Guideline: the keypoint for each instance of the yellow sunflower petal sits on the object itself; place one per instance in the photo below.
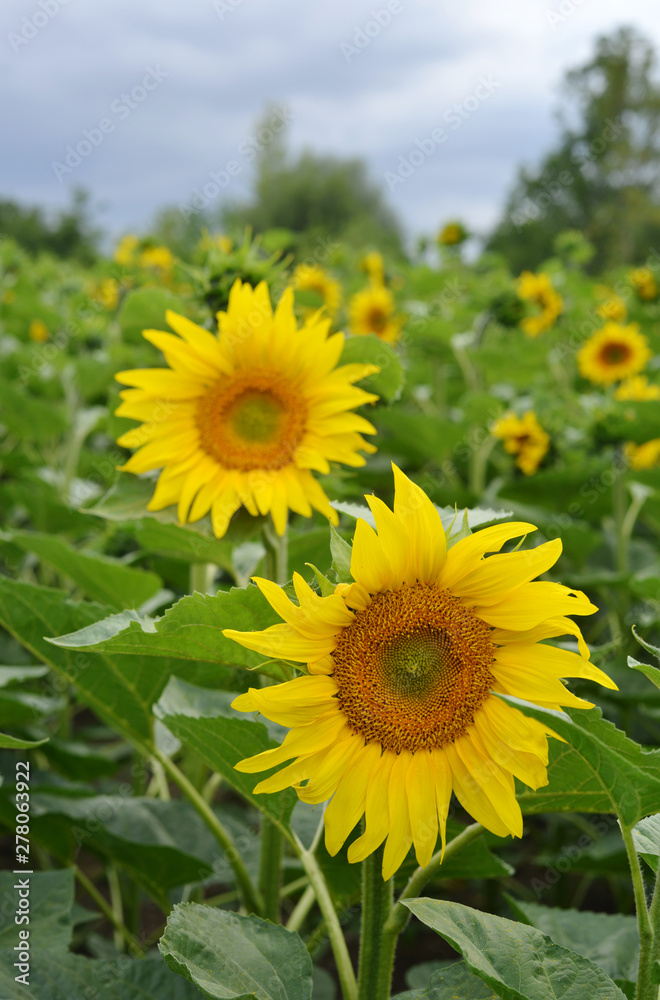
(421, 795)
(348, 803)
(399, 838)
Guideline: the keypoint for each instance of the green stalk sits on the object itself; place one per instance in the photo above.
(107, 910)
(398, 918)
(376, 948)
(619, 504)
(646, 988)
(330, 918)
(250, 896)
(270, 869)
(201, 575)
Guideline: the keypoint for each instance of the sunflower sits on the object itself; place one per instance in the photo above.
(159, 258)
(614, 352)
(125, 251)
(612, 307)
(312, 278)
(643, 456)
(452, 234)
(373, 311)
(38, 331)
(399, 705)
(538, 289)
(244, 417)
(644, 283)
(106, 293)
(374, 265)
(638, 388)
(523, 437)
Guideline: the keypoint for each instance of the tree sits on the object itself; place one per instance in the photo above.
(315, 196)
(603, 177)
(69, 234)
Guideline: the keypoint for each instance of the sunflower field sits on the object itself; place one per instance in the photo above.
(329, 624)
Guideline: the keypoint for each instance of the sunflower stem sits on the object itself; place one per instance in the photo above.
(330, 918)
(270, 869)
(277, 551)
(398, 918)
(250, 896)
(376, 947)
(201, 577)
(646, 988)
(619, 504)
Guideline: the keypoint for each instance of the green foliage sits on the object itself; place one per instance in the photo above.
(226, 955)
(596, 181)
(516, 962)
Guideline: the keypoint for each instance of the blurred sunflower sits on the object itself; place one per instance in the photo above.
(38, 331)
(644, 283)
(452, 234)
(643, 456)
(106, 293)
(125, 251)
(244, 418)
(216, 242)
(159, 258)
(374, 265)
(523, 437)
(613, 353)
(312, 278)
(399, 705)
(612, 307)
(637, 389)
(373, 311)
(538, 289)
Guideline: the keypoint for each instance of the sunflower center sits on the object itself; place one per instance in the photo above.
(615, 354)
(251, 421)
(413, 668)
(377, 320)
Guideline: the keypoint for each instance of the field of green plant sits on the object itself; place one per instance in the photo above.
(145, 480)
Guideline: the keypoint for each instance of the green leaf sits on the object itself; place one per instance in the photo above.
(630, 421)
(341, 556)
(51, 902)
(204, 721)
(449, 984)
(647, 645)
(144, 309)
(59, 975)
(652, 673)
(609, 940)
(187, 543)
(227, 955)
(326, 587)
(120, 689)
(388, 382)
(32, 419)
(101, 578)
(9, 675)
(600, 770)
(161, 844)
(12, 743)
(646, 837)
(518, 962)
(189, 630)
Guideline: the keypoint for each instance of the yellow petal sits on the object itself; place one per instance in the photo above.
(427, 543)
(464, 556)
(348, 803)
(400, 836)
(423, 813)
(495, 577)
(376, 810)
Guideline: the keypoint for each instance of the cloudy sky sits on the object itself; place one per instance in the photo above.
(143, 101)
